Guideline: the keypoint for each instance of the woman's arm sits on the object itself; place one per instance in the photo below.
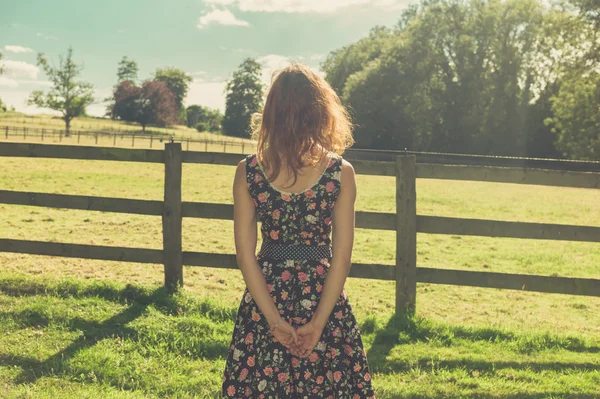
(343, 239)
(245, 231)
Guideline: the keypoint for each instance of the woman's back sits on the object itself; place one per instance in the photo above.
(295, 217)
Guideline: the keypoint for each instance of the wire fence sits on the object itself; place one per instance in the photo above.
(149, 139)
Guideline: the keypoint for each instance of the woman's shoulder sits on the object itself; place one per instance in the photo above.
(248, 160)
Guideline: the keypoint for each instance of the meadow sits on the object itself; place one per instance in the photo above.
(74, 328)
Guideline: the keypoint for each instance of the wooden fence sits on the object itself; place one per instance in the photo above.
(404, 221)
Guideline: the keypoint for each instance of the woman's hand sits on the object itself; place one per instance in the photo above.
(285, 334)
(309, 334)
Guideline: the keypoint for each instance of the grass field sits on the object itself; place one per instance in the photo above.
(95, 329)
(92, 124)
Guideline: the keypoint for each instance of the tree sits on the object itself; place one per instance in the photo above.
(210, 118)
(244, 97)
(68, 95)
(1, 65)
(151, 104)
(464, 76)
(178, 82)
(128, 70)
(576, 119)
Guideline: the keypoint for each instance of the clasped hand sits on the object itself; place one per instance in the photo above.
(299, 341)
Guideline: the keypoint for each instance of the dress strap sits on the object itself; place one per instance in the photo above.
(251, 168)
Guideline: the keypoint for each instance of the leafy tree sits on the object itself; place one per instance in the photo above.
(178, 82)
(244, 96)
(202, 127)
(457, 76)
(68, 95)
(342, 63)
(151, 104)
(210, 118)
(576, 119)
(1, 66)
(128, 70)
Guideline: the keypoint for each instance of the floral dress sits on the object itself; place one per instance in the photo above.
(294, 225)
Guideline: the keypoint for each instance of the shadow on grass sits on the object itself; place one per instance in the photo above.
(523, 395)
(406, 329)
(137, 299)
(125, 295)
(92, 333)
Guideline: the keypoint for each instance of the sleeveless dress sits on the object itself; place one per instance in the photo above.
(294, 257)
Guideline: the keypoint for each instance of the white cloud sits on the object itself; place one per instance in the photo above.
(222, 17)
(44, 36)
(208, 94)
(17, 49)
(18, 99)
(304, 5)
(272, 63)
(19, 69)
(6, 82)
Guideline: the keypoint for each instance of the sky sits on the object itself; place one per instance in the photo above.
(208, 39)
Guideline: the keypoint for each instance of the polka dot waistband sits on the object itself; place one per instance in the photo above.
(272, 250)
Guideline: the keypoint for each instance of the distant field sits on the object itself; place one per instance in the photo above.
(86, 124)
(466, 342)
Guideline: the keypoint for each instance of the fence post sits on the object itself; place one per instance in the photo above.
(172, 219)
(187, 147)
(24, 133)
(243, 144)
(406, 234)
(206, 146)
(132, 139)
(6, 132)
(151, 136)
(114, 139)
(43, 131)
(96, 134)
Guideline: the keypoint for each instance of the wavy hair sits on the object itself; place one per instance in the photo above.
(303, 119)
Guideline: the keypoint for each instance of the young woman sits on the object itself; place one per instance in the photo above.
(296, 335)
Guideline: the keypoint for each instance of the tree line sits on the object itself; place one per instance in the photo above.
(157, 101)
(497, 77)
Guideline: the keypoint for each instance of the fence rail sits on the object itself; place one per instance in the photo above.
(404, 221)
(243, 146)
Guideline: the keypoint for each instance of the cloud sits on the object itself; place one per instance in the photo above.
(17, 49)
(208, 94)
(19, 69)
(18, 99)
(46, 37)
(271, 63)
(222, 17)
(304, 5)
(6, 82)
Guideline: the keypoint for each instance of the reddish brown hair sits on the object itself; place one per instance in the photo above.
(302, 120)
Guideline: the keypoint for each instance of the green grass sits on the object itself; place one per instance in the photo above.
(64, 338)
(87, 124)
(466, 342)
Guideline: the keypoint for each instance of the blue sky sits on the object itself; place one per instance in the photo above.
(206, 38)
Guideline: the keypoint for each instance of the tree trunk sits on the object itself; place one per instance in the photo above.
(143, 128)
(68, 127)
